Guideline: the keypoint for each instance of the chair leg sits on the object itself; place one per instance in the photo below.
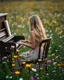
(46, 68)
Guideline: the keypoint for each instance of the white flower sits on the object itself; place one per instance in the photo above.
(47, 74)
(5, 57)
(7, 76)
(4, 62)
(54, 63)
(53, 71)
(19, 26)
(56, 57)
(21, 79)
(10, 77)
(33, 69)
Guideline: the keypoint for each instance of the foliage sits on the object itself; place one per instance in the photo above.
(52, 16)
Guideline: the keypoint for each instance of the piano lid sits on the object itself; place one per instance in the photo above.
(3, 14)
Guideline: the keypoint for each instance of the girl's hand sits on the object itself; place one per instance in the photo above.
(24, 40)
(19, 42)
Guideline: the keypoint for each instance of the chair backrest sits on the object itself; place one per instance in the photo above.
(44, 46)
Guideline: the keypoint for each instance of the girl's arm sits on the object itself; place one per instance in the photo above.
(26, 41)
(32, 44)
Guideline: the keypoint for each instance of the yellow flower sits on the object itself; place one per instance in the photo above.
(10, 20)
(12, 59)
(15, 56)
(17, 16)
(17, 72)
(14, 22)
(28, 22)
(13, 65)
(59, 65)
(28, 60)
(23, 62)
(50, 24)
(20, 55)
(28, 65)
(53, 20)
(44, 22)
(53, 55)
(17, 50)
(16, 30)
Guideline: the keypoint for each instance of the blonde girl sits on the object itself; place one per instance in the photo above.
(37, 33)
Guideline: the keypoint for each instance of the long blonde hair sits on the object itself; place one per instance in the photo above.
(38, 27)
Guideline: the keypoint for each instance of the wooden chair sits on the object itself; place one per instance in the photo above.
(43, 57)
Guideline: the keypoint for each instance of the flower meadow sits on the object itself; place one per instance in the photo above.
(52, 17)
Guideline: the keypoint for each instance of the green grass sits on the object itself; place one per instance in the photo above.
(52, 16)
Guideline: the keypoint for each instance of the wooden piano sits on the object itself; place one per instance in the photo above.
(6, 38)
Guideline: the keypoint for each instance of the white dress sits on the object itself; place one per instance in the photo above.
(30, 55)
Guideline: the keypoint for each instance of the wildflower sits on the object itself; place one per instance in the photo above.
(16, 30)
(20, 55)
(7, 76)
(12, 59)
(15, 56)
(62, 46)
(52, 60)
(17, 16)
(28, 60)
(19, 26)
(59, 65)
(35, 77)
(44, 65)
(28, 22)
(49, 61)
(46, 30)
(13, 65)
(28, 65)
(28, 55)
(44, 22)
(14, 23)
(5, 57)
(47, 74)
(33, 69)
(4, 62)
(17, 50)
(54, 21)
(17, 72)
(53, 55)
(37, 66)
(23, 62)
(54, 71)
(21, 79)
(54, 63)
(62, 65)
(10, 77)
(31, 78)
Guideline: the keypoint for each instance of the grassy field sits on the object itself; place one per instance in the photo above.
(52, 16)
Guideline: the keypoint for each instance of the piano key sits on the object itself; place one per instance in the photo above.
(8, 38)
(2, 34)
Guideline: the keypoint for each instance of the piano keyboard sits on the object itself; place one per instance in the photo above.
(8, 38)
